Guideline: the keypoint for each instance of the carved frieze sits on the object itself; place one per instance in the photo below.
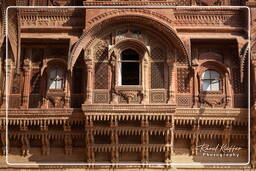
(51, 18)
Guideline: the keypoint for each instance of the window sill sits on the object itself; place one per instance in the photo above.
(129, 87)
(212, 92)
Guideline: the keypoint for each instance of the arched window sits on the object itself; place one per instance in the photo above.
(130, 67)
(211, 81)
(56, 78)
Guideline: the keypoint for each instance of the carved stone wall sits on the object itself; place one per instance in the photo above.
(163, 119)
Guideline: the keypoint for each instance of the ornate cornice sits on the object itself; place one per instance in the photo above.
(52, 18)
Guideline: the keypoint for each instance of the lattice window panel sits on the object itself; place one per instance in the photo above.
(15, 101)
(157, 53)
(101, 75)
(157, 75)
(184, 101)
(35, 81)
(181, 59)
(238, 86)
(183, 80)
(157, 97)
(100, 97)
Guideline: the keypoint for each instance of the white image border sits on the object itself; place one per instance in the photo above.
(127, 164)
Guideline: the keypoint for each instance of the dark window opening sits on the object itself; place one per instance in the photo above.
(130, 67)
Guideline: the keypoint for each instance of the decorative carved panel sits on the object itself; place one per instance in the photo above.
(157, 97)
(101, 51)
(181, 60)
(130, 96)
(101, 75)
(183, 84)
(101, 97)
(157, 75)
(208, 100)
(157, 53)
(15, 101)
(184, 101)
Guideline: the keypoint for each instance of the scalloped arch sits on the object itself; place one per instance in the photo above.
(89, 36)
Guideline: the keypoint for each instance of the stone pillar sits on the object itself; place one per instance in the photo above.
(89, 85)
(3, 139)
(169, 139)
(27, 73)
(145, 141)
(68, 82)
(145, 80)
(228, 93)
(194, 138)
(24, 140)
(196, 85)
(7, 90)
(113, 81)
(89, 138)
(114, 141)
(67, 138)
(45, 139)
(227, 132)
(1, 76)
(170, 95)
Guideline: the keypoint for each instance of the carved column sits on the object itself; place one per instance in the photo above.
(68, 91)
(89, 66)
(27, 73)
(45, 139)
(145, 80)
(169, 139)
(227, 132)
(228, 93)
(194, 138)
(1, 76)
(114, 141)
(171, 98)
(113, 81)
(67, 138)
(8, 70)
(89, 140)
(24, 140)
(145, 141)
(3, 138)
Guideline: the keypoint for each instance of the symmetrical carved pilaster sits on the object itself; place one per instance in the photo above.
(27, 72)
(89, 70)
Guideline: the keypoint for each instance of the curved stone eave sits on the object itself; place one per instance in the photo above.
(88, 36)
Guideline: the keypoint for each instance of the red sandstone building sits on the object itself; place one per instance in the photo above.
(126, 85)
